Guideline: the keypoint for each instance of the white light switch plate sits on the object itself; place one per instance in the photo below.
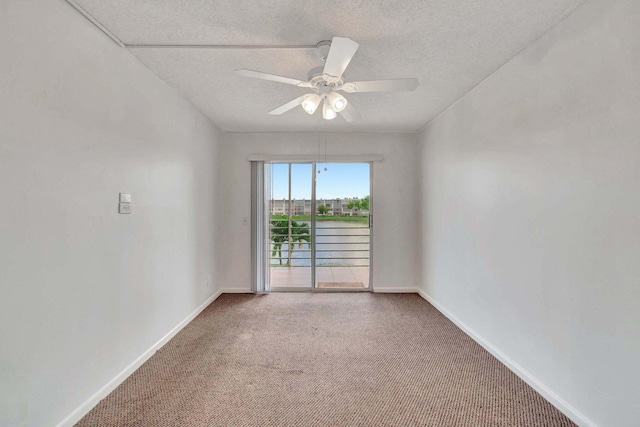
(125, 198)
(124, 208)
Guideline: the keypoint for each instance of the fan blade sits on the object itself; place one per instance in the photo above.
(340, 53)
(391, 85)
(288, 106)
(272, 77)
(350, 114)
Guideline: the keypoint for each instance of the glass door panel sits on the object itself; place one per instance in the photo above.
(342, 226)
(290, 208)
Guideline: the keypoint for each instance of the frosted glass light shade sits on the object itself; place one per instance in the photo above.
(311, 102)
(338, 102)
(327, 112)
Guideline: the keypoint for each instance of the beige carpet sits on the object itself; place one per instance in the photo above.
(323, 359)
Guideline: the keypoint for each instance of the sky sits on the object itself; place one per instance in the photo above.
(340, 180)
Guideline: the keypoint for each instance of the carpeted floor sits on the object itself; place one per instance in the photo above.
(323, 359)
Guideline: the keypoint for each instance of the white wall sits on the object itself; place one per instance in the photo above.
(531, 211)
(85, 291)
(395, 259)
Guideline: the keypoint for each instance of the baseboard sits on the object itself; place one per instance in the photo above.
(236, 291)
(553, 398)
(394, 290)
(83, 409)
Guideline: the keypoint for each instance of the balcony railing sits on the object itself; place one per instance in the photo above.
(335, 246)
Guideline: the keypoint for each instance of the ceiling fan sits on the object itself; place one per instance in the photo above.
(325, 82)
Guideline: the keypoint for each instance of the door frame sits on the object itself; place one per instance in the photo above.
(312, 288)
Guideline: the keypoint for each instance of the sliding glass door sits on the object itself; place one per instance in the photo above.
(318, 217)
(290, 237)
(343, 226)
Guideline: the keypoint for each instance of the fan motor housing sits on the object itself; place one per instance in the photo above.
(316, 78)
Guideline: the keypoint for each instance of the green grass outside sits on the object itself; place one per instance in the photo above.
(354, 219)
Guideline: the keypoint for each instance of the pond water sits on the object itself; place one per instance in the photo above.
(339, 243)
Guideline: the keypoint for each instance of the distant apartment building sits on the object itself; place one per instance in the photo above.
(303, 206)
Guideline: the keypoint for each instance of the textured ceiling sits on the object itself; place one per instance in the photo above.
(450, 46)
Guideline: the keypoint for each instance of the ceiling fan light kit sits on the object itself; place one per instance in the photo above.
(327, 112)
(337, 101)
(311, 103)
(326, 81)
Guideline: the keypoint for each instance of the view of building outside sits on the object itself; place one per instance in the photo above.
(337, 207)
